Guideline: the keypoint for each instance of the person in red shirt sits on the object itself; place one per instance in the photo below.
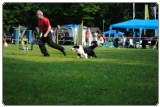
(88, 35)
(45, 28)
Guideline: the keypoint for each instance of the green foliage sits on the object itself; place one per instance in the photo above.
(15, 14)
(67, 13)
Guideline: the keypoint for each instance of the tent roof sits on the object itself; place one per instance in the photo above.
(136, 24)
(70, 26)
(94, 29)
(113, 32)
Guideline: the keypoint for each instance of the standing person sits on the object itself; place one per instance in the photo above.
(95, 36)
(88, 35)
(116, 34)
(63, 36)
(45, 27)
(100, 40)
(123, 40)
(116, 39)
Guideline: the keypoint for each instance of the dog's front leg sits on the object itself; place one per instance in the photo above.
(85, 55)
(94, 55)
(78, 55)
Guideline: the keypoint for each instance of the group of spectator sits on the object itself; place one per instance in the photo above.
(89, 37)
(95, 37)
(128, 41)
(122, 40)
(115, 40)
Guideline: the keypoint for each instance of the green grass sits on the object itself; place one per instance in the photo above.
(116, 77)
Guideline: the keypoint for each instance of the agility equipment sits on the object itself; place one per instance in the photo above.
(58, 34)
(74, 31)
(23, 41)
(155, 44)
(146, 15)
(80, 33)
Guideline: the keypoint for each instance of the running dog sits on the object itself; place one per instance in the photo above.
(85, 52)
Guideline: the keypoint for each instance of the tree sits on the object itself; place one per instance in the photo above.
(15, 14)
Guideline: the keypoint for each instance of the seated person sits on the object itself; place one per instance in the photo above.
(115, 42)
(127, 42)
(100, 40)
(120, 42)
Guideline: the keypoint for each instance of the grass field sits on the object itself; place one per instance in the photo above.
(116, 77)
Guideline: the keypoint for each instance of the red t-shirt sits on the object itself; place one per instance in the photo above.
(88, 33)
(43, 24)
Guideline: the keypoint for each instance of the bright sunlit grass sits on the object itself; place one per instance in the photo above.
(117, 76)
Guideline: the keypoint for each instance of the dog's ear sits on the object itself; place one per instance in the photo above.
(76, 46)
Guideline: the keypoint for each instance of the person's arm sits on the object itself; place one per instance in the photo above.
(48, 30)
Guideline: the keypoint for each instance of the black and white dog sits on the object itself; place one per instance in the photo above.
(85, 52)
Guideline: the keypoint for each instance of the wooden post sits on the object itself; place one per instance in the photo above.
(155, 43)
(18, 47)
(57, 36)
(80, 33)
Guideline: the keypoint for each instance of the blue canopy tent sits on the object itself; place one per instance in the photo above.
(71, 28)
(113, 32)
(137, 24)
(73, 31)
(70, 25)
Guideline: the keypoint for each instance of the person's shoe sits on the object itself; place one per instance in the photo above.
(46, 55)
(64, 52)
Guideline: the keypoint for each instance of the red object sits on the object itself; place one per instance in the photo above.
(43, 24)
(88, 33)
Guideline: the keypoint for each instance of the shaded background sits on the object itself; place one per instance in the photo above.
(71, 13)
